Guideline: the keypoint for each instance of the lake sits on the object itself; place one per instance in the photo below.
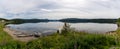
(51, 27)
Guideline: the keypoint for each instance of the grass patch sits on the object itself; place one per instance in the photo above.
(74, 41)
(7, 42)
(4, 37)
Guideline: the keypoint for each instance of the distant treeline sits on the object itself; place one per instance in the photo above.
(68, 20)
(17, 21)
(75, 20)
(20, 21)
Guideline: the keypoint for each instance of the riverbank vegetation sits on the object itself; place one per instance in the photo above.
(3, 35)
(74, 41)
(67, 39)
(7, 42)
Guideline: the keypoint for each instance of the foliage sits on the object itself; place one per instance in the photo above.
(73, 41)
(13, 45)
(66, 29)
(77, 20)
(3, 35)
(118, 22)
(6, 41)
(3, 19)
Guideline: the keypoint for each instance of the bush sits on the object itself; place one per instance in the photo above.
(73, 41)
(118, 22)
(13, 45)
(65, 29)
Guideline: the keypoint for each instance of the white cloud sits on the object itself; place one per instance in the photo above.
(73, 3)
(57, 8)
(47, 10)
(16, 6)
(2, 15)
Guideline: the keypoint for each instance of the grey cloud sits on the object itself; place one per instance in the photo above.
(54, 8)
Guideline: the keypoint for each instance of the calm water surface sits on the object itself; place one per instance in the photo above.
(51, 27)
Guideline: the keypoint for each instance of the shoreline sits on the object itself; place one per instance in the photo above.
(21, 36)
(23, 39)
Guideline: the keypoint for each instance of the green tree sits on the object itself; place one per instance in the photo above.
(66, 28)
(118, 22)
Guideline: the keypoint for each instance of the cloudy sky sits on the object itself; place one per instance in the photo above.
(57, 9)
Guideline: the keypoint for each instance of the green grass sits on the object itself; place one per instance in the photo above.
(72, 40)
(76, 40)
(7, 42)
(4, 37)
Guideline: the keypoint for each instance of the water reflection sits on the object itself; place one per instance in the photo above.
(50, 27)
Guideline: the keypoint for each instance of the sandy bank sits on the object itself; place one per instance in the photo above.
(23, 39)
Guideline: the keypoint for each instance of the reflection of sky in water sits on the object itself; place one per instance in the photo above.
(37, 27)
(94, 27)
(54, 26)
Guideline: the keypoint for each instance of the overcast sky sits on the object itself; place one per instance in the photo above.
(57, 9)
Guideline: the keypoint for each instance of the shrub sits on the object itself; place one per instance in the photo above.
(66, 29)
(73, 41)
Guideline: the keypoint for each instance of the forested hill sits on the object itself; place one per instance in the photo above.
(76, 20)
(68, 20)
